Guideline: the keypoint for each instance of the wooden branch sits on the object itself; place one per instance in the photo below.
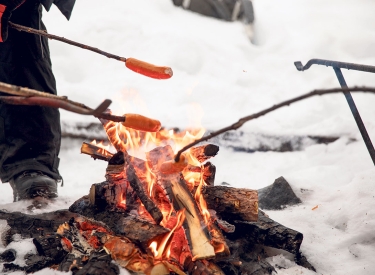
(243, 120)
(196, 233)
(204, 152)
(95, 152)
(232, 203)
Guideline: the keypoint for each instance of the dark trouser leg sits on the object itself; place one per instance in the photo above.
(30, 136)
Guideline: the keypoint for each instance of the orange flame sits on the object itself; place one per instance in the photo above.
(103, 149)
(162, 250)
(138, 142)
(201, 202)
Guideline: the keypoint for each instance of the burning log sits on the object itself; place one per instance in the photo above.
(232, 203)
(157, 156)
(204, 152)
(196, 231)
(137, 186)
(122, 224)
(95, 152)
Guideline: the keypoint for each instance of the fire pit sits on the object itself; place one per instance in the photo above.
(155, 216)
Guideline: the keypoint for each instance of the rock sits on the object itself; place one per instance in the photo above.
(277, 196)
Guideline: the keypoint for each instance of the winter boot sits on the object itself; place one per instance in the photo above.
(32, 184)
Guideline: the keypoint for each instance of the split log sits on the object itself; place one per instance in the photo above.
(95, 152)
(204, 152)
(196, 231)
(269, 233)
(232, 203)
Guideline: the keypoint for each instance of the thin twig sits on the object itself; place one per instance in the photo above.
(62, 39)
(243, 120)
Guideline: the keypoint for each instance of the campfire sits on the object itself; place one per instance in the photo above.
(153, 215)
(166, 197)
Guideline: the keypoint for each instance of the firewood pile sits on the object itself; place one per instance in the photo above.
(154, 216)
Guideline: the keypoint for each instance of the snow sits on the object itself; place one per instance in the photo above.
(219, 77)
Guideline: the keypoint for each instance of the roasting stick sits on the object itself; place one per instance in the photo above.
(26, 96)
(138, 66)
(170, 167)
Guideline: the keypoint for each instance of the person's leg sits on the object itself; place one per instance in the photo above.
(29, 135)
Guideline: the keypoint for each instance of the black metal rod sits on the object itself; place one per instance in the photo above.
(356, 115)
(350, 66)
(337, 64)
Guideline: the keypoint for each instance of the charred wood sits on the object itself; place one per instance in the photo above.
(33, 263)
(121, 223)
(224, 225)
(267, 232)
(232, 203)
(138, 188)
(33, 226)
(50, 247)
(209, 172)
(202, 267)
(99, 263)
(245, 258)
(72, 263)
(204, 152)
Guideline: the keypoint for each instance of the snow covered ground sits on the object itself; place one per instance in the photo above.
(219, 77)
